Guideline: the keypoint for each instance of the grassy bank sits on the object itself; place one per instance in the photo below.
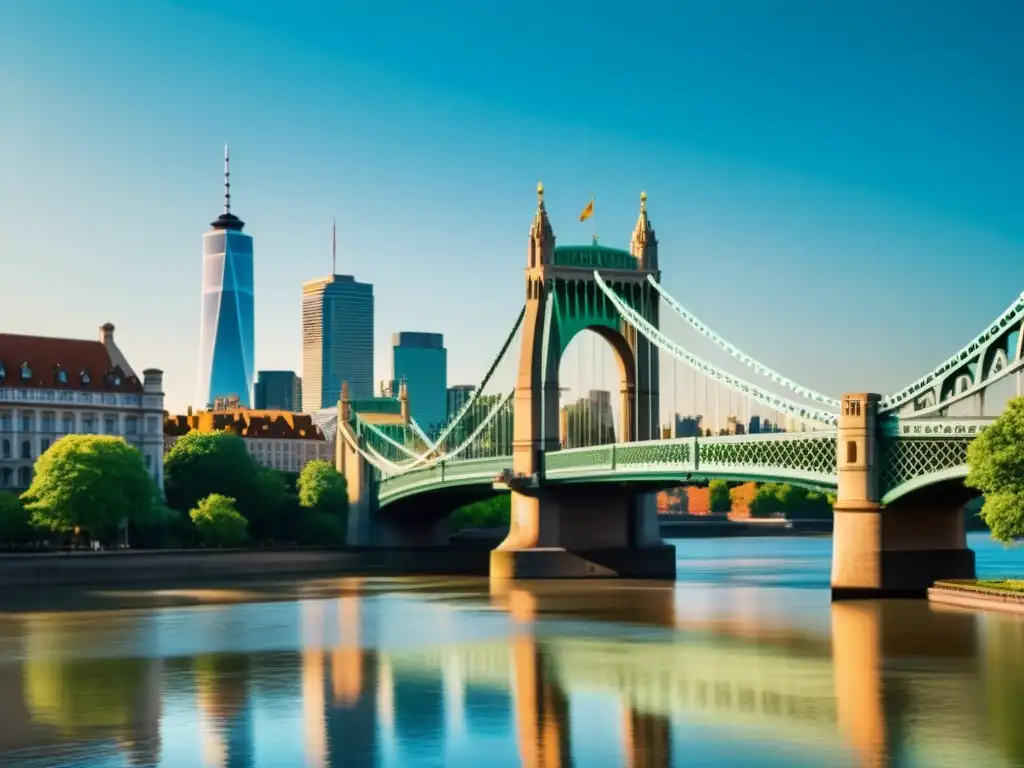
(1014, 587)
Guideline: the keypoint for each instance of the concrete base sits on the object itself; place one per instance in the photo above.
(911, 573)
(656, 562)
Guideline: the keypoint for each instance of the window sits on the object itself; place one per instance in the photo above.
(43, 445)
(851, 452)
(149, 461)
(6, 424)
(68, 423)
(131, 425)
(24, 477)
(62, 376)
(3, 372)
(5, 449)
(84, 376)
(26, 372)
(26, 449)
(49, 423)
(26, 422)
(110, 425)
(6, 477)
(153, 425)
(88, 425)
(853, 407)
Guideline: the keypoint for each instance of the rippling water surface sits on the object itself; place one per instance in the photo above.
(742, 662)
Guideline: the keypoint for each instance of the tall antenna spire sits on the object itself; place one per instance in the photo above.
(227, 180)
(334, 246)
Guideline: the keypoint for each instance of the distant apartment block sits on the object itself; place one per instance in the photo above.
(277, 391)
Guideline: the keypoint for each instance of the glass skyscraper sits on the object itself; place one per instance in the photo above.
(277, 391)
(227, 342)
(337, 340)
(422, 361)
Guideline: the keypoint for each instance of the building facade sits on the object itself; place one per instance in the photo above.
(275, 439)
(277, 391)
(227, 344)
(421, 361)
(458, 396)
(54, 387)
(337, 340)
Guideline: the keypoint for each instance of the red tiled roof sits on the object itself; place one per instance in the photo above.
(46, 357)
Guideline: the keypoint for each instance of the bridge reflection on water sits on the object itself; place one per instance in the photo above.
(350, 675)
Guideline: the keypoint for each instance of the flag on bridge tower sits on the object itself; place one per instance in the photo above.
(588, 211)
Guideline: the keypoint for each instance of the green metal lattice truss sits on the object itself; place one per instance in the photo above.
(913, 455)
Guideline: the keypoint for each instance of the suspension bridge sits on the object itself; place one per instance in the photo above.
(581, 486)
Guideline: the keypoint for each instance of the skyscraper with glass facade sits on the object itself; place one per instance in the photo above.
(227, 342)
(421, 360)
(337, 340)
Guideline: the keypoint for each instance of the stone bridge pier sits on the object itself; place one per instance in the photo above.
(897, 550)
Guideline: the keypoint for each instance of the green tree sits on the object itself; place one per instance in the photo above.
(489, 513)
(766, 501)
(15, 527)
(218, 522)
(201, 463)
(323, 496)
(90, 482)
(718, 496)
(996, 468)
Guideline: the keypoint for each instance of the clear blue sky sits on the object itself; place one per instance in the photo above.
(846, 174)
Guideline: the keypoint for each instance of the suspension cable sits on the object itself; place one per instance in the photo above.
(744, 387)
(746, 359)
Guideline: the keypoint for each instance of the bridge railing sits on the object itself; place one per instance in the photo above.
(799, 456)
(446, 473)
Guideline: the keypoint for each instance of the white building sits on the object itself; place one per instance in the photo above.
(54, 387)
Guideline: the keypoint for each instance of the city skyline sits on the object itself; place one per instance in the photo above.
(814, 199)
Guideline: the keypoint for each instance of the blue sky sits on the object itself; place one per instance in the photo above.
(837, 187)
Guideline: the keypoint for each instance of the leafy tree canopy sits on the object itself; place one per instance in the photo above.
(996, 468)
(218, 522)
(322, 487)
(201, 463)
(91, 482)
(14, 519)
(718, 496)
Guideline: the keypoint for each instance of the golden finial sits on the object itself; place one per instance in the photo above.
(540, 191)
(643, 201)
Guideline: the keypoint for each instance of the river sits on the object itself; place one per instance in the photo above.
(742, 662)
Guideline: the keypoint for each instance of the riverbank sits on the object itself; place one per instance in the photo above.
(691, 527)
(993, 595)
(137, 567)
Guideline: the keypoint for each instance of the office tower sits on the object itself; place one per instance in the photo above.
(337, 340)
(277, 391)
(227, 339)
(421, 360)
(458, 396)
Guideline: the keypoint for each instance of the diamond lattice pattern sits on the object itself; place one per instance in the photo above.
(904, 459)
(806, 454)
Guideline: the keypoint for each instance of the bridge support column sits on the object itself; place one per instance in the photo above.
(584, 531)
(896, 551)
(648, 740)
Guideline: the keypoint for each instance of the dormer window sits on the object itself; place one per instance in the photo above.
(62, 377)
(26, 372)
(115, 380)
(3, 372)
(84, 376)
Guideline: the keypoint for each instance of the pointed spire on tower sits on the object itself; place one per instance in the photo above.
(644, 244)
(542, 236)
(227, 220)
(227, 179)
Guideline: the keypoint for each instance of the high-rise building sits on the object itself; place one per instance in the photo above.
(337, 340)
(227, 335)
(421, 360)
(277, 391)
(458, 396)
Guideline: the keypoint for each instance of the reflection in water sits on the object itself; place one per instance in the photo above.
(359, 673)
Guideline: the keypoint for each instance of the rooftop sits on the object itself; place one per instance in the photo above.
(245, 422)
(43, 362)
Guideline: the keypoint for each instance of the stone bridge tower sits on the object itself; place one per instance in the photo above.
(583, 531)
